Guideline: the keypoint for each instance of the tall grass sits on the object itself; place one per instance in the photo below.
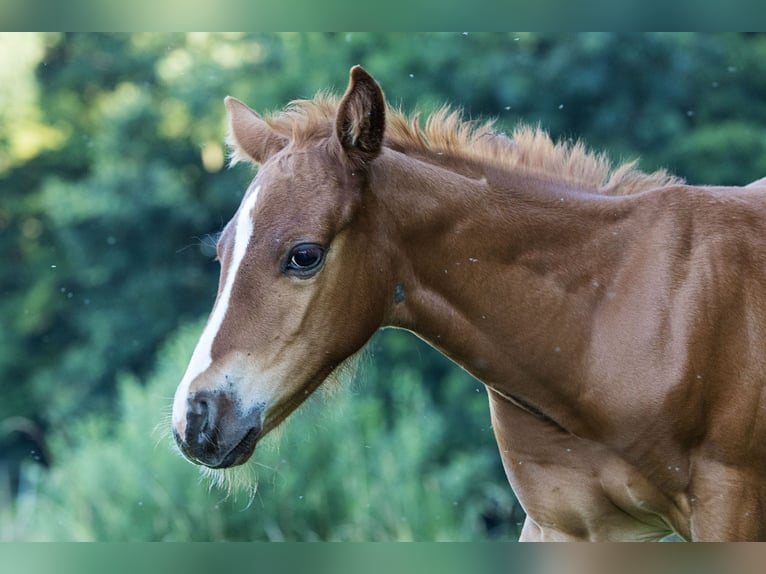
(376, 460)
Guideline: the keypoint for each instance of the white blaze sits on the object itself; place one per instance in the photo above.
(202, 357)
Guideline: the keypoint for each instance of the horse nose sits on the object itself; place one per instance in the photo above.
(200, 412)
(216, 432)
(200, 435)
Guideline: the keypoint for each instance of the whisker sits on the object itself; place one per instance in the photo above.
(207, 244)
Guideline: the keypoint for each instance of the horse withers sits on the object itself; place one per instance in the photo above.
(617, 318)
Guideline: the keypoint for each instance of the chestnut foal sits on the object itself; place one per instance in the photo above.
(617, 318)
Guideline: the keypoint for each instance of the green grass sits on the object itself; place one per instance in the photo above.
(375, 460)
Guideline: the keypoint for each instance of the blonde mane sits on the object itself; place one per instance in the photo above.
(446, 132)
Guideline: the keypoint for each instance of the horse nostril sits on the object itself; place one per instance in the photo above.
(197, 406)
(200, 418)
(216, 432)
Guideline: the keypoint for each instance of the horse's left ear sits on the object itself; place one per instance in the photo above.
(361, 119)
(250, 136)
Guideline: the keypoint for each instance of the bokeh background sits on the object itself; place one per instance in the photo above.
(113, 178)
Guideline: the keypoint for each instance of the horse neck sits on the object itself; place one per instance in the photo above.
(500, 273)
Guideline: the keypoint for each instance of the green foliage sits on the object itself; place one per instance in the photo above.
(346, 467)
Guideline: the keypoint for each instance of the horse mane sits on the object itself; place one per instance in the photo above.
(445, 131)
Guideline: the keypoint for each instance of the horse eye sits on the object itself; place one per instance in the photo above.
(305, 259)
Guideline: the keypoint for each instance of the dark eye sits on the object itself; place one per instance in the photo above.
(305, 260)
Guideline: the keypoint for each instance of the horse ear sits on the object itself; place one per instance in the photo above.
(361, 119)
(250, 136)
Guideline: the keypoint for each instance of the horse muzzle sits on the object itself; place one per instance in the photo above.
(217, 433)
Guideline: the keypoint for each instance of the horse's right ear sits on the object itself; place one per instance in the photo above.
(249, 135)
(361, 120)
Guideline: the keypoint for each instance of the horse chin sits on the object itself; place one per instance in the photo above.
(241, 453)
(237, 455)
